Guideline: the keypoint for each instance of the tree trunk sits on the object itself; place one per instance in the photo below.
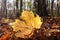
(17, 4)
(4, 8)
(58, 8)
(40, 6)
(20, 6)
(52, 7)
(17, 9)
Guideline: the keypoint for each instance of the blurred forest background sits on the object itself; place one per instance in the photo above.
(45, 8)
